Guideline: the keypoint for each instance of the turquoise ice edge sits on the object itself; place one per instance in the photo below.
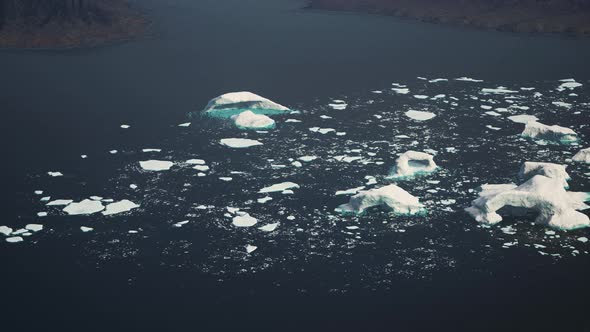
(227, 113)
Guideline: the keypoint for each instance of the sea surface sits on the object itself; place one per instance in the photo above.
(142, 270)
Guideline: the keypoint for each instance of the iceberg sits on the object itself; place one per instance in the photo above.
(34, 227)
(553, 133)
(156, 165)
(239, 143)
(86, 206)
(391, 198)
(59, 202)
(251, 121)
(244, 220)
(284, 186)
(14, 239)
(498, 91)
(119, 207)
(5, 230)
(523, 118)
(233, 103)
(555, 206)
(338, 105)
(250, 248)
(412, 163)
(583, 156)
(85, 229)
(269, 227)
(420, 115)
(554, 171)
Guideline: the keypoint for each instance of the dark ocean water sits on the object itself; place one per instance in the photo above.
(441, 271)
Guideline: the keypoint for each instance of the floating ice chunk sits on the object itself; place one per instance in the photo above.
(420, 115)
(278, 187)
(377, 91)
(125, 126)
(186, 124)
(59, 202)
(133, 186)
(401, 91)
(152, 150)
(54, 174)
(492, 127)
(42, 214)
(297, 164)
(83, 156)
(252, 121)
(86, 206)
(5, 230)
(119, 207)
(195, 162)
(499, 90)
(550, 133)
(562, 104)
(250, 248)
(156, 165)
(347, 159)
(583, 156)
(264, 199)
(86, 229)
(468, 79)
(582, 239)
(234, 103)
(338, 105)
(351, 191)
(437, 80)
(413, 163)
(391, 198)
(269, 227)
(420, 97)
(225, 178)
(202, 168)
(113, 151)
(550, 170)
(568, 84)
(492, 113)
(38, 192)
(523, 118)
(555, 206)
(180, 223)
(14, 239)
(293, 121)
(34, 227)
(244, 220)
(239, 143)
(322, 131)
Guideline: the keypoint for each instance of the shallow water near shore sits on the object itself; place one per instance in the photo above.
(316, 266)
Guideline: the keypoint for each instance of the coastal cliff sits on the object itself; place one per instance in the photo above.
(541, 16)
(67, 23)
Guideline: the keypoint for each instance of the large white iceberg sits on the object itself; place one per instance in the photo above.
(412, 163)
(119, 207)
(554, 171)
(239, 143)
(543, 195)
(391, 198)
(156, 165)
(583, 156)
(251, 120)
(86, 206)
(234, 103)
(553, 133)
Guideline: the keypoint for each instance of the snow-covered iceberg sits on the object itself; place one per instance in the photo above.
(412, 163)
(251, 120)
(583, 156)
(239, 143)
(546, 196)
(555, 133)
(391, 198)
(233, 103)
(554, 171)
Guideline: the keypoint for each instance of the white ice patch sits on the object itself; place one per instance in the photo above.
(5, 230)
(244, 220)
(264, 199)
(119, 207)
(351, 191)
(152, 150)
(201, 168)
(251, 120)
(86, 206)
(391, 197)
(420, 115)
(58, 202)
(125, 126)
(34, 227)
(250, 248)
(54, 174)
(523, 118)
(308, 158)
(499, 91)
(186, 124)
(583, 156)
(239, 143)
(269, 227)
(468, 79)
(156, 165)
(413, 163)
(278, 187)
(242, 100)
(339, 105)
(14, 239)
(550, 133)
(86, 229)
(401, 91)
(322, 131)
(195, 162)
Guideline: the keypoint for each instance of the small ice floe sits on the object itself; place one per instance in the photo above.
(34, 227)
(508, 230)
(249, 120)
(244, 220)
(583, 156)
(180, 223)
(562, 104)
(233, 103)
(186, 124)
(38, 192)
(547, 196)
(492, 127)
(156, 165)
(438, 80)
(347, 159)
(201, 168)
(133, 186)
(278, 187)
(42, 214)
(498, 91)
(338, 105)
(351, 191)
(297, 163)
(555, 133)
(582, 239)
(225, 178)
(492, 113)
(83, 156)
(412, 163)
(152, 150)
(401, 91)
(239, 143)
(250, 248)
(84, 207)
(195, 162)
(377, 92)
(554, 171)
(59, 202)
(391, 198)
(85, 229)
(14, 239)
(292, 121)
(113, 152)
(54, 174)
(420, 96)
(322, 131)
(568, 83)
(5, 230)
(264, 199)
(523, 118)
(269, 227)
(119, 207)
(468, 79)
(125, 126)
(420, 115)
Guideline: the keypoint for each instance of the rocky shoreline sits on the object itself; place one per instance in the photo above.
(106, 22)
(571, 17)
